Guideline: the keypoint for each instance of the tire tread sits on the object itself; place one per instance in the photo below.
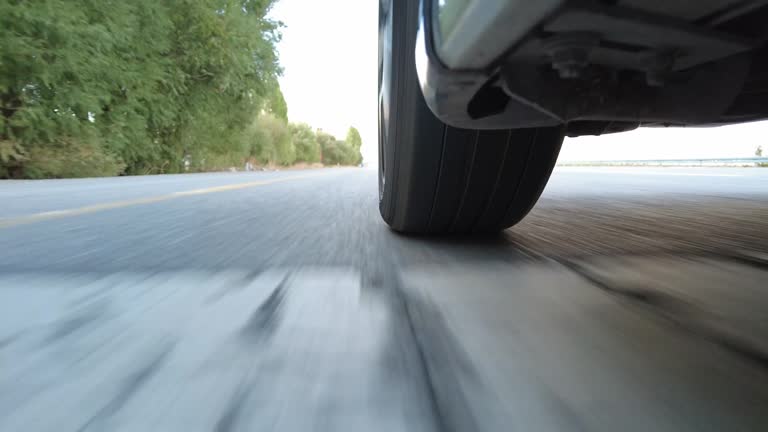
(439, 178)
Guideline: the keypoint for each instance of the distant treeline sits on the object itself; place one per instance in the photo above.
(103, 87)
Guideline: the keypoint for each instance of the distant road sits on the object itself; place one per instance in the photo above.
(704, 162)
(630, 299)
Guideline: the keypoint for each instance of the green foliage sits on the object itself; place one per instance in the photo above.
(270, 141)
(68, 158)
(275, 103)
(106, 87)
(355, 142)
(11, 151)
(329, 151)
(306, 143)
(759, 151)
(335, 152)
(135, 85)
(12, 158)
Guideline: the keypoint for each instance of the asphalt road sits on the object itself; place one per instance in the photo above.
(630, 299)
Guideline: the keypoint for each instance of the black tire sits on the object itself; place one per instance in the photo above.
(434, 178)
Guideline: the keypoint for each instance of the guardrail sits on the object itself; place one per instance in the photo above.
(748, 162)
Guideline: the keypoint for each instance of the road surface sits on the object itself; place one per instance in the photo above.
(631, 299)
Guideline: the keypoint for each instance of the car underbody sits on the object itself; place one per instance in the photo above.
(595, 66)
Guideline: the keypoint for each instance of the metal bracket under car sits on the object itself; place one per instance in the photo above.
(595, 66)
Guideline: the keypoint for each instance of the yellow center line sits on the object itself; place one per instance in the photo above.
(58, 214)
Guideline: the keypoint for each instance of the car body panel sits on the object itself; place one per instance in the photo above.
(595, 67)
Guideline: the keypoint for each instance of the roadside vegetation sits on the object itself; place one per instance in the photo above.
(102, 87)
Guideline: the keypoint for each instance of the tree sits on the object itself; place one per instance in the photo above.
(92, 87)
(328, 148)
(355, 142)
(276, 103)
(64, 63)
(305, 142)
(271, 141)
(139, 85)
(225, 58)
(335, 152)
(759, 151)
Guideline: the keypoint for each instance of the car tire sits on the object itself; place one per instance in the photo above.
(434, 178)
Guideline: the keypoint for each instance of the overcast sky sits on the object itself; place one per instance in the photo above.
(329, 52)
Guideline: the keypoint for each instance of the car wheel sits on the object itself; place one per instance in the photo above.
(434, 178)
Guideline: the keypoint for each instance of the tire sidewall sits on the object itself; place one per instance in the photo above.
(393, 58)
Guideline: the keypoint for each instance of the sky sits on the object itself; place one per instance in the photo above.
(329, 56)
(736, 141)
